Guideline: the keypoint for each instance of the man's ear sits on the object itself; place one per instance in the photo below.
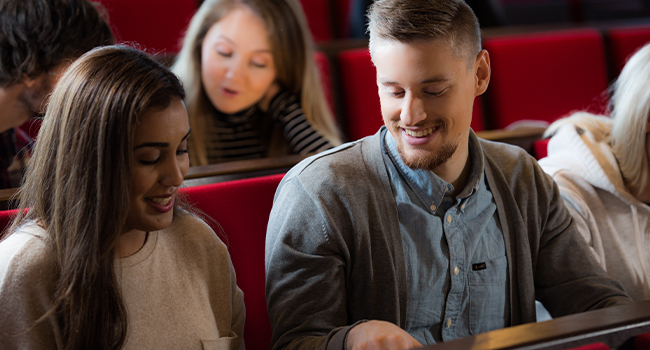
(482, 72)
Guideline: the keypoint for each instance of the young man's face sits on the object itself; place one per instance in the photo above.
(426, 96)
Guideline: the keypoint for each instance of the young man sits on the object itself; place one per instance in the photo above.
(38, 40)
(422, 233)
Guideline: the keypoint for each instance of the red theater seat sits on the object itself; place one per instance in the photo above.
(593, 346)
(545, 76)
(318, 19)
(157, 25)
(623, 42)
(242, 208)
(642, 342)
(323, 65)
(6, 218)
(541, 148)
(362, 112)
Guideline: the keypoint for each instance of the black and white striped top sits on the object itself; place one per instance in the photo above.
(246, 135)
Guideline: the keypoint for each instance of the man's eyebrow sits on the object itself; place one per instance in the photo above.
(161, 144)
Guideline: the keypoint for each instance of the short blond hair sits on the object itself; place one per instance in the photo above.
(409, 21)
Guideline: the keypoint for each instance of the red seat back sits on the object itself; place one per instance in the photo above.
(545, 76)
(7, 218)
(592, 346)
(623, 42)
(157, 25)
(362, 111)
(317, 13)
(242, 208)
(642, 341)
(323, 65)
(540, 148)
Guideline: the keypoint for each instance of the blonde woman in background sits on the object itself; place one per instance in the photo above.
(601, 166)
(106, 257)
(253, 89)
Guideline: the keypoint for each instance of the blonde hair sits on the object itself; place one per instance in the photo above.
(625, 130)
(292, 49)
(452, 21)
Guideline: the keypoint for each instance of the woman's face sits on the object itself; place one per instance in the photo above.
(161, 162)
(237, 66)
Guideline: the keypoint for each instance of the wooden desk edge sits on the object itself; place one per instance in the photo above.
(613, 326)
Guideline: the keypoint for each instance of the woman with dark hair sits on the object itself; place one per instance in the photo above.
(106, 257)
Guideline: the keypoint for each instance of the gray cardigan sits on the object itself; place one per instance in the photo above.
(334, 253)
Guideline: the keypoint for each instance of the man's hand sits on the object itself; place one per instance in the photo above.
(379, 335)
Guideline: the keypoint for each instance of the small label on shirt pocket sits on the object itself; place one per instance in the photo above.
(487, 295)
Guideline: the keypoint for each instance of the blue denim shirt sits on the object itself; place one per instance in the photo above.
(456, 266)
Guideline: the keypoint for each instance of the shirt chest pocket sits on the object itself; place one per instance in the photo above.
(487, 295)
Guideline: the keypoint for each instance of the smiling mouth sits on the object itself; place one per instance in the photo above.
(420, 133)
(161, 201)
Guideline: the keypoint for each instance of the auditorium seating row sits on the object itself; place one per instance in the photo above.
(538, 76)
(238, 211)
(159, 25)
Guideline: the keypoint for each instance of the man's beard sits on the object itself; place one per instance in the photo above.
(432, 161)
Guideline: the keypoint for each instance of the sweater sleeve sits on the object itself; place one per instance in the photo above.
(238, 310)
(568, 278)
(27, 280)
(303, 138)
(305, 274)
(576, 202)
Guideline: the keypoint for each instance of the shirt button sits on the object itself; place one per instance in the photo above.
(449, 219)
(462, 206)
(456, 270)
(448, 323)
(433, 207)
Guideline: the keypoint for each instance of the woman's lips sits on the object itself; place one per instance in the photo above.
(229, 92)
(162, 204)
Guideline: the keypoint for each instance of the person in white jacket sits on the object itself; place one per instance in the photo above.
(601, 165)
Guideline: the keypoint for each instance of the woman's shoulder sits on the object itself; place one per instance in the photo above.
(25, 258)
(195, 233)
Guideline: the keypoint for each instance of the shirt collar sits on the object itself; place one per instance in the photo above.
(427, 186)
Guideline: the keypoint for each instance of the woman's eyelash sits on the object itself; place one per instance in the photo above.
(224, 54)
(181, 152)
(149, 162)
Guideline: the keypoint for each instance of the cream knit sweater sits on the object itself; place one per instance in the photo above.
(179, 290)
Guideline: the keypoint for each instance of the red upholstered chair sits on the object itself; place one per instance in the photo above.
(31, 127)
(541, 148)
(544, 76)
(323, 65)
(6, 218)
(361, 108)
(642, 341)
(157, 25)
(317, 13)
(593, 346)
(623, 42)
(242, 208)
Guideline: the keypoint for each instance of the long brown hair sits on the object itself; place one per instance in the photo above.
(292, 49)
(78, 184)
